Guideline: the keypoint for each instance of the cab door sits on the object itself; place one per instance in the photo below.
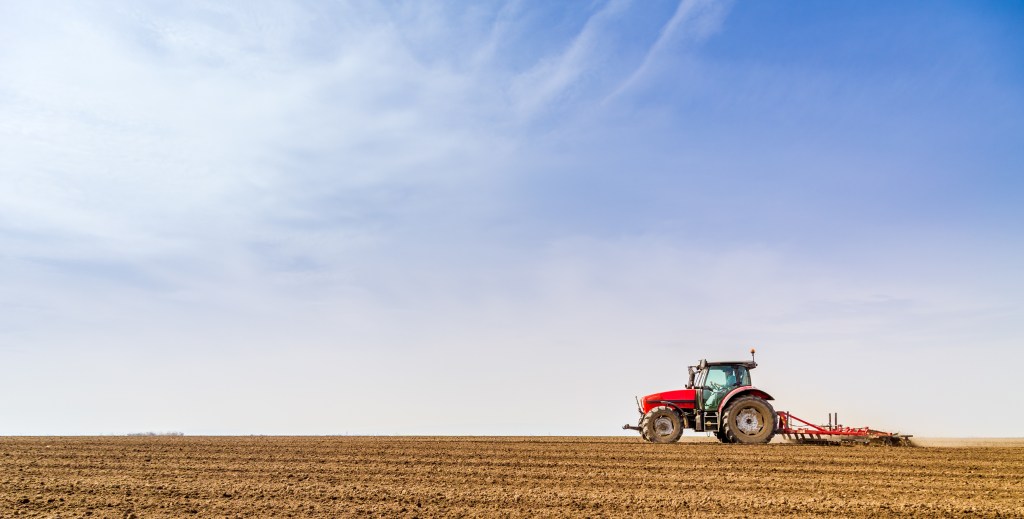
(718, 381)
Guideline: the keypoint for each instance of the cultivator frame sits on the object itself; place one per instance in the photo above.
(798, 430)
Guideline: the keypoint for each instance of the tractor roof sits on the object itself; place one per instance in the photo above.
(749, 364)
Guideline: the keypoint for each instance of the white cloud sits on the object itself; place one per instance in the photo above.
(694, 19)
(554, 75)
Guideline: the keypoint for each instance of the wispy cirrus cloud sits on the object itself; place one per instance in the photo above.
(167, 129)
(693, 19)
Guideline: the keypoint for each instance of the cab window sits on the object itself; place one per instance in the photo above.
(727, 376)
(717, 376)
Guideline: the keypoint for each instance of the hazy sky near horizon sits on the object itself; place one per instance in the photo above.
(506, 217)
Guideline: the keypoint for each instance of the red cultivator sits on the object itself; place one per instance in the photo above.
(801, 431)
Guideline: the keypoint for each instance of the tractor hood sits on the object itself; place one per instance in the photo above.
(680, 398)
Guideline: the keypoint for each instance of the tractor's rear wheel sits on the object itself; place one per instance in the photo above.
(662, 425)
(749, 419)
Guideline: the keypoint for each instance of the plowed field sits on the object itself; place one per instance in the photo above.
(471, 477)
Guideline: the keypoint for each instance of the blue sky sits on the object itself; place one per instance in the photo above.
(508, 217)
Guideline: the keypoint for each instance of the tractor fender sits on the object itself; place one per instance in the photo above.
(742, 391)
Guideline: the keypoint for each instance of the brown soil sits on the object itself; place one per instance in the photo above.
(506, 477)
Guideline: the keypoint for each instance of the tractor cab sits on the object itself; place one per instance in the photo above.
(714, 380)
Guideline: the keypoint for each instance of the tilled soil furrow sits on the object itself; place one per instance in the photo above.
(512, 477)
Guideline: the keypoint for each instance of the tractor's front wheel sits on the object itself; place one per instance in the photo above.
(661, 425)
(749, 420)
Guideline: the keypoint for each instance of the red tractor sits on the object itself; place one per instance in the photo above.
(719, 398)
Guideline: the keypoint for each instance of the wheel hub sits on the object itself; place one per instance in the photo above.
(663, 426)
(748, 421)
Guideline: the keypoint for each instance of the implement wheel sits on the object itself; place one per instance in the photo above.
(749, 419)
(662, 425)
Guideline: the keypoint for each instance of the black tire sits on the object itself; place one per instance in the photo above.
(722, 437)
(662, 425)
(749, 419)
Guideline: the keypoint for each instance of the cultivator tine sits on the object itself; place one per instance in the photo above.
(884, 441)
(801, 431)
